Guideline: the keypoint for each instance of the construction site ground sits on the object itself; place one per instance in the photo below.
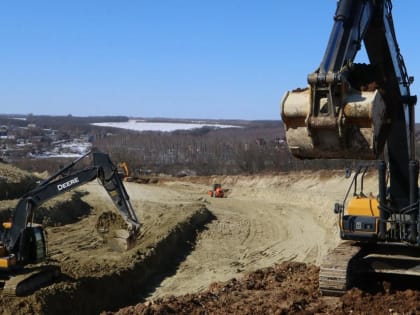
(256, 251)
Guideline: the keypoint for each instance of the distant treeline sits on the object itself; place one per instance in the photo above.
(208, 151)
(258, 146)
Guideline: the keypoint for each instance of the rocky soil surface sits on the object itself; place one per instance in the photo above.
(286, 288)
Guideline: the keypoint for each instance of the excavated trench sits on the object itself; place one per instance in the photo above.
(109, 291)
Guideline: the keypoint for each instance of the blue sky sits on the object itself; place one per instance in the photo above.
(230, 59)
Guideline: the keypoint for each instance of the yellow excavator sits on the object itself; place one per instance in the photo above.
(363, 112)
(123, 170)
(23, 245)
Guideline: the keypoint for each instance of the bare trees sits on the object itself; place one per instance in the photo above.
(209, 151)
(252, 148)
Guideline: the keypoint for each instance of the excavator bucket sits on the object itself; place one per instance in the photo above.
(351, 132)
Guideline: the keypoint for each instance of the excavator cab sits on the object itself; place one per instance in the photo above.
(34, 244)
(33, 247)
(358, 214)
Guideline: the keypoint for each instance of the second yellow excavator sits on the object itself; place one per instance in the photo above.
(123, 170)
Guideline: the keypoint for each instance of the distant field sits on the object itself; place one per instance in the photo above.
(160, 126)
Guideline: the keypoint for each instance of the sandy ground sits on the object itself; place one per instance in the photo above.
(264, 220)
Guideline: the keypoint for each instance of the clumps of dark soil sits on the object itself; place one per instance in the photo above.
(286, 288)
(283, 289)
(109, 220)
(115, 231)
(298, 90)
(357, 301)
(364, 77)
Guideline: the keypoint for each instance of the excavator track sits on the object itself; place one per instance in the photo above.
(28, 281)
(357, 264)
(337, 268)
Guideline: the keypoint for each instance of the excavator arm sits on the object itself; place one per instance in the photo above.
(63, 181)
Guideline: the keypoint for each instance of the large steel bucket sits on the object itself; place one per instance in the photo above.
(350, 134)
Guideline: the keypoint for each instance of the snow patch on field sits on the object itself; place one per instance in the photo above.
(160, 126)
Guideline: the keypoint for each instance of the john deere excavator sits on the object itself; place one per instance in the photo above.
(23, 245)
(363, 112)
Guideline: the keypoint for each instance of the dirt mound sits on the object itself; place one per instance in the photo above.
(62, 210)
(14, 182)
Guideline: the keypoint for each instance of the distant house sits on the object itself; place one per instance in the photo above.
(260, 142)
(4, 132)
